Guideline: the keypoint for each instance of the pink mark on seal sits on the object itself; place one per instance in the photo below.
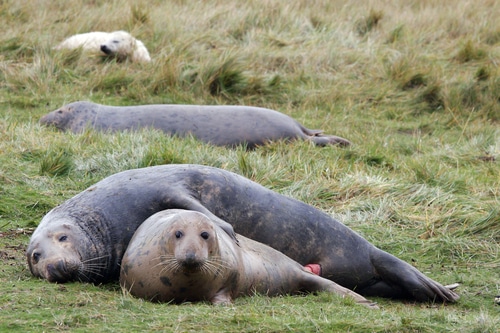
(313, 268)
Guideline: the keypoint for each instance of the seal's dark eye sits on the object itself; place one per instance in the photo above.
(204, 235)
(63, 238)
(36, 257)
(178, 234)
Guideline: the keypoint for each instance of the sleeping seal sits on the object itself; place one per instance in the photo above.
(221, 125)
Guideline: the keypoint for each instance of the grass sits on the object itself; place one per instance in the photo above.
(415, 86)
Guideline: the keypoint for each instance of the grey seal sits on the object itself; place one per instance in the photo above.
(221, 125)
(86, 236)
(180, 255)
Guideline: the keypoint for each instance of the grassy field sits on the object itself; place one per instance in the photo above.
(414, 85)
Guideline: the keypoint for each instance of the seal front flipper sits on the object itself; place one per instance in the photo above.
(222, 297)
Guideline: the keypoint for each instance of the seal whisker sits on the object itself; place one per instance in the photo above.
(168, 263)
(215, 266)
(94, 259)
(91, 268)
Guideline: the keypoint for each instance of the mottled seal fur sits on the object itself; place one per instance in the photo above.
(85, 237)
(222, 125)
(181, 255)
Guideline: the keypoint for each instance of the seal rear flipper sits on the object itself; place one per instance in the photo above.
(325, 140)
(311, 283)
(321, 139)
(401, 280)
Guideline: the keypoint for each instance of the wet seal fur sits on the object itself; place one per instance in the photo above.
(221, 125)
(180, 255)
(86, 236)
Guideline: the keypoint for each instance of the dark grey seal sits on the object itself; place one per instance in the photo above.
(221, 125)
(86, 236)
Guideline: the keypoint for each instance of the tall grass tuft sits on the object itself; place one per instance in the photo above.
(469, 52)
(139, 15)
(368, 23)
(56, 163)
(226, 78)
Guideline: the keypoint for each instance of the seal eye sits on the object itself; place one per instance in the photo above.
(204, 235)
(178, 234)
(36, 257)
(63, 238)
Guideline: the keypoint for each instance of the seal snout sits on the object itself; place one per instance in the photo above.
(57, 272)
(191, 261)
(106, 49)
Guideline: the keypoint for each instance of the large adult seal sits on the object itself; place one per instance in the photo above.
(85, 237)
(222, 125)
(180, 255)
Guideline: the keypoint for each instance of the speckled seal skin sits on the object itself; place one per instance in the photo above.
(181, 255)
(86, 236)
(221, 125)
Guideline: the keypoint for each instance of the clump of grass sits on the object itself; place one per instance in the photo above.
(492, 38)
(159, 155)
(414, 81)
(165, 78)
(479, 97)
(230, 78)
(68, 57)
(114, 80)
(396, 34)
(139, 15)
(245, 166)
(430, 99)
(226, 78)
(406, 72)
(470, 95)
(367, 24)
(482, 74)
(56, 163)
(470, 52)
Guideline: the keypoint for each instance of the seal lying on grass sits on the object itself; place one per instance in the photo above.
(221, 125)
(85, 237)
(181, 255)
(118, 44)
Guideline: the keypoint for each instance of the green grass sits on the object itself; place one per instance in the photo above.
(415, 86)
